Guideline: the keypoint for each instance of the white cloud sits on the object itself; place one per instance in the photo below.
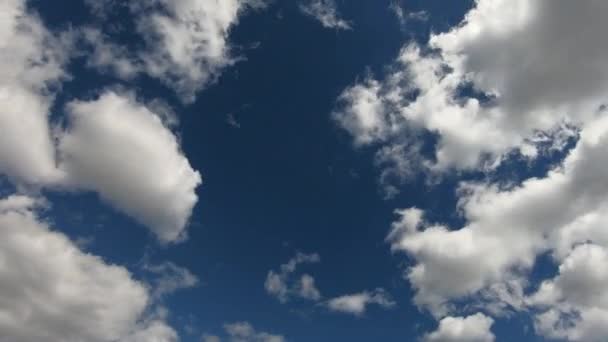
(563, 79)
(400, 163)
(31, 68)
(52, 291)
(326, 13)
(475, 328)
(513, 76)
(188, 40)
(20, 203)
(108, 56)
(356, 304)
(508, 229)
(120, 149)
(245, 332)
(279, 284)
(363, 115)
(307, 288)
(576, 300)
(276, 286)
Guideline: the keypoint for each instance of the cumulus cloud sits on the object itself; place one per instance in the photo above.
(508, 229)
(282, 286)
(52, 291)
(512, 77)
(575, 302)
(475, 93)
(31, 68)
(356, 304)
(326, 12)
(243, 332)
(120, 149)
(475, 328)
(113, 145)
(187, 41)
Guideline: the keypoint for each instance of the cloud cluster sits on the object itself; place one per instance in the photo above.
(512, 74)
(325, 12)
(507, 230)
(470, 86)
(50, 290)
(112, 145)
(285, 287)
(404, 17)
(576, 301)
(483, 102)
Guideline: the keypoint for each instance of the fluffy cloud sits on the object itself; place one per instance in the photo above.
(52, 291)
(187, 43)
(279, 284)
(356, 304)
(515, 100)
(326, 13)
(120, 149)
(244, 332)
(508, 229)
(511, 77)
(31, 68)
(576, 300)
(474, 328)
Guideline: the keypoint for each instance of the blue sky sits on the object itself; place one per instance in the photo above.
(310, 170)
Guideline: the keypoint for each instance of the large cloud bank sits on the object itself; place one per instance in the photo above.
(513, 76)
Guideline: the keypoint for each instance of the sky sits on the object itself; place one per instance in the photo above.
(303, 170)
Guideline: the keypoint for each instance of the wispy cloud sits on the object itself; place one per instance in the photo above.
(326, 12)
(356, 304)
